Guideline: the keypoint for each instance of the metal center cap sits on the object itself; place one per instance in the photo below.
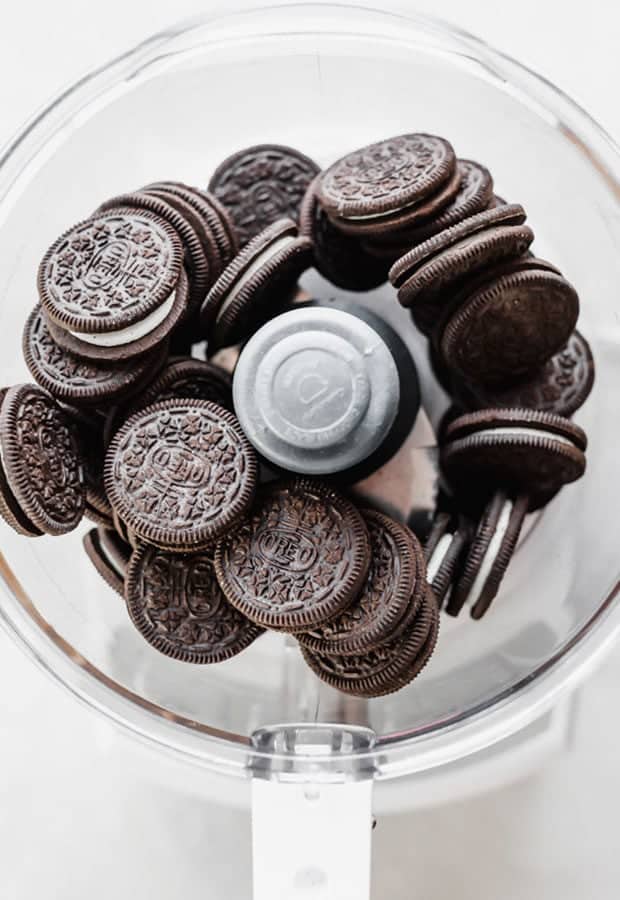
(316, 390)
(313, 389)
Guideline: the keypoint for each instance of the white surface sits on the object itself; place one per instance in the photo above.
(84, 815)
(311, 858)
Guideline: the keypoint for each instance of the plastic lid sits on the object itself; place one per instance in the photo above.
(316, 390)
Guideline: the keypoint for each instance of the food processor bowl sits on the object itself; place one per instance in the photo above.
(326, 78)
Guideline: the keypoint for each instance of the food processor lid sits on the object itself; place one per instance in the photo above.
(316, 390)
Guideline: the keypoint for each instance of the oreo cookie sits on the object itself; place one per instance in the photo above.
(191, 379)
(508, 327)
(473, 196)
(109, 555)
(83, 382)
(215, 219)
(113, 286)
(444, 552)
(387, 668)
(180, 473)
(177, 605)
(395, 581)
(192, 210)
(561, 386)
(398, 224)
(489, 554)
(262, 184)
(380, 187)
(339, 257)
(256, 285)
(427, 276)
(520, 451)
(41, 469)
(298, 560)
(182, 378)
(470, 255)
(187, 230)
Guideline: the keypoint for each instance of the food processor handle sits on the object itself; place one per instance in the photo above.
(312, 810)
(311, 839)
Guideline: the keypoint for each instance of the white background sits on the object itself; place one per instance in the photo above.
(82, 817)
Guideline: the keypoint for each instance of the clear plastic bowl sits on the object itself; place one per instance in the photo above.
(326, 79)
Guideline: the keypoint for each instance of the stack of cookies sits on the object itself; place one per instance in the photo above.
(500, 324)
(210, 542)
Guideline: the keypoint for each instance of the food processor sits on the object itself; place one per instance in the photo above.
(260, 729)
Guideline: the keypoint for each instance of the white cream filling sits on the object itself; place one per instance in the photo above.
(381, 215)
(132, 332)
(526, 432)
(437, 556)
(493, 548)
(251, 270)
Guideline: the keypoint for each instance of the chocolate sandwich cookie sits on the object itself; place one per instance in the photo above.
(109, 555)
(214, 216)
(224, 217)
(409, 263)
(438, 276)
(387, 668)
(256, 285)
(509, 327)
(561, 386)
(93, 512)
(90, 441)
(126, 534)
(177, 605)
(337, 256)
(444, 551)
(516, 450)
(395, 576)
(88, 416)
(432, 318)
(196, 220)
(382, 187)
(41, 470)
(473, 196)
(160, 338)
(298, 559)
(450, 414)
(191, 378)
(182, 377)
(113, 287)
(262, 184)
(80, 381)
(387, 229)
(489, 554)
(180, 472)
(183, 224)
(427, 276)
